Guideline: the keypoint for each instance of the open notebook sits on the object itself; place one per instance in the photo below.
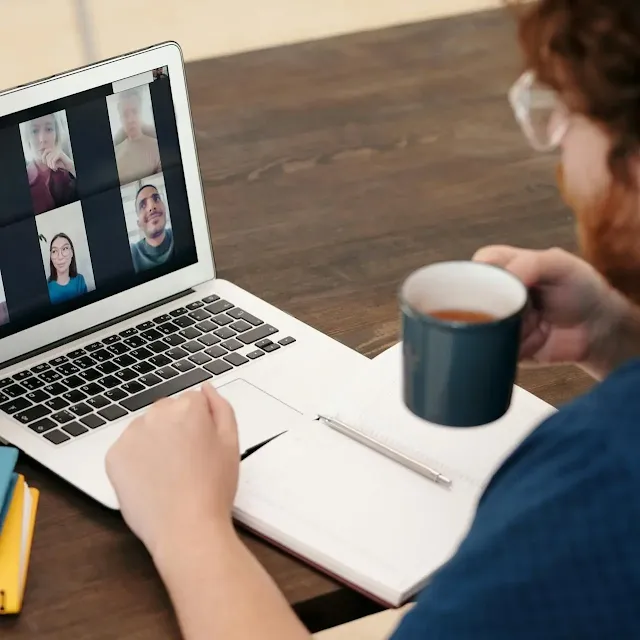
(365, 519)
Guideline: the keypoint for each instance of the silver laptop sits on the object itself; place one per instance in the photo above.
(109, 298)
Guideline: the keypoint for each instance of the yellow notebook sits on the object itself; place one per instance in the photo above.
(15, 546)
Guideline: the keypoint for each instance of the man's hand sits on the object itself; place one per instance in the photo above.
(175, 468)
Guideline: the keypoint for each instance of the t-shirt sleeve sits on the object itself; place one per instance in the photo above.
(552, 552)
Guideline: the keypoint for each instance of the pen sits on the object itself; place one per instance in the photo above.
(387, 451)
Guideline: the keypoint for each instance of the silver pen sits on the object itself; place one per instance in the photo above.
(385, 450)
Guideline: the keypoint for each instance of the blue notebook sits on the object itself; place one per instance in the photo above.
(8, 459)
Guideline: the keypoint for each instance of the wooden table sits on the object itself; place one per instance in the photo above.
(331, 170)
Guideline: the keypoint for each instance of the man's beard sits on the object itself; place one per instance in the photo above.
(608, 229)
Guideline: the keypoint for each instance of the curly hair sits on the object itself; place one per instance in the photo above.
(589, 51)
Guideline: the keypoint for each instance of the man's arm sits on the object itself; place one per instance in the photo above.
(219, 590)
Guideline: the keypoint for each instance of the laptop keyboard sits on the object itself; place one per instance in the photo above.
(87, 388)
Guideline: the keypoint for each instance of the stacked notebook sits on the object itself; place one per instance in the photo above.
(18, 507)
(364, 519)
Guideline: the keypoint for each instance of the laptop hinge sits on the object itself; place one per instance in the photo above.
(94, 329)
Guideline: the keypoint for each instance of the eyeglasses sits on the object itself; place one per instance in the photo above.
(63, 251)
(540, 112)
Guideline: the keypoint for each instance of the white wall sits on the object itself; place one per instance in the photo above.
(41, 37)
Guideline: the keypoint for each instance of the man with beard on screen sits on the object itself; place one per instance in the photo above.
(156, 246)
(553, 551)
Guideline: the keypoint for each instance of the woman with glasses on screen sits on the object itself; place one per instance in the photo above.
(553, 551)
(65, 282)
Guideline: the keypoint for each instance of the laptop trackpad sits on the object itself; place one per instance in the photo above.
(260, 416)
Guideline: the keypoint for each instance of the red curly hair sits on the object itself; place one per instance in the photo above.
(589, 51)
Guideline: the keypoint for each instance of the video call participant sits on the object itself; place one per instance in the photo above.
(51, 172)
(138, 154)
(65, 283)
(156, 247)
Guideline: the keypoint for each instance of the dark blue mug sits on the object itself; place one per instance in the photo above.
(461, 324)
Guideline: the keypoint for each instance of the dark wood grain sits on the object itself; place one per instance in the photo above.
(331, 170)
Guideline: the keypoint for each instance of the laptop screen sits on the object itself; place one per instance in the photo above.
(93, 199)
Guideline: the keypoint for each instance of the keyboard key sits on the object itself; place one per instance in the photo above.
(193, 346)
(133, 387)
(74, 429)
(218, 367)
(206, 326)
(14, 391)
(103, 355)
(81, 409)
(91, 375)
(225, 333)
(42, 426)
(111, 340)
(192, 306)
(141, 354)
(49, 377)
(210, 299)
(162, 319)
(4, 398)
(78, 353)
(167, 328)
(38, 369)
(92, 389)
(112, 412)
(145, 326)
(191, 333)
(13, 406)
(73, 382)
(199, 315)
(22, 375)
(255, 354)
(285, 341)
(241, 325)
(200, 358)
(126, 375)
(62, 417)
(271, 347)
(107, 368)
(125, 360)
(232, 345)
(118, 348)
(159, 346)
(55, 389)
(57, 404)
(98, 402)
(115, 395)
(216, 351)
(167, 373)
(84, 362)
(56, 436)
(208, 340)
(94, 346)
(238, 314)
(180, 311)
(150, 379)
(168, 388)
(142, 367)
(222, 319)
(5, 382)
(93, 421)
(183, 366)
(257, 334)
(36, 396)
(136, 342)
(110, 382)
(152, 334)
(128, 333)
(184, 321)
(175, 340)
(236, 359)
(32, 383)
(56, 362)
(34, 413)
(160, 361)
(177, 353)
(74, 396)
(218, 307)
(68, 369)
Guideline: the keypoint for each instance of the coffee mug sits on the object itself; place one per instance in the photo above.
(461, 324)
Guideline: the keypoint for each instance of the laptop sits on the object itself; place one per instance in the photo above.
(109, 298)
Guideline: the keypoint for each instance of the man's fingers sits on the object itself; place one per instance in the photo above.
(221, 410)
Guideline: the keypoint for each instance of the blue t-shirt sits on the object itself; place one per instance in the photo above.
(61, 293)
(554, 550)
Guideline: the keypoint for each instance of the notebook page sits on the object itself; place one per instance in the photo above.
(24, 546)
(364, 517)
(375, 405)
